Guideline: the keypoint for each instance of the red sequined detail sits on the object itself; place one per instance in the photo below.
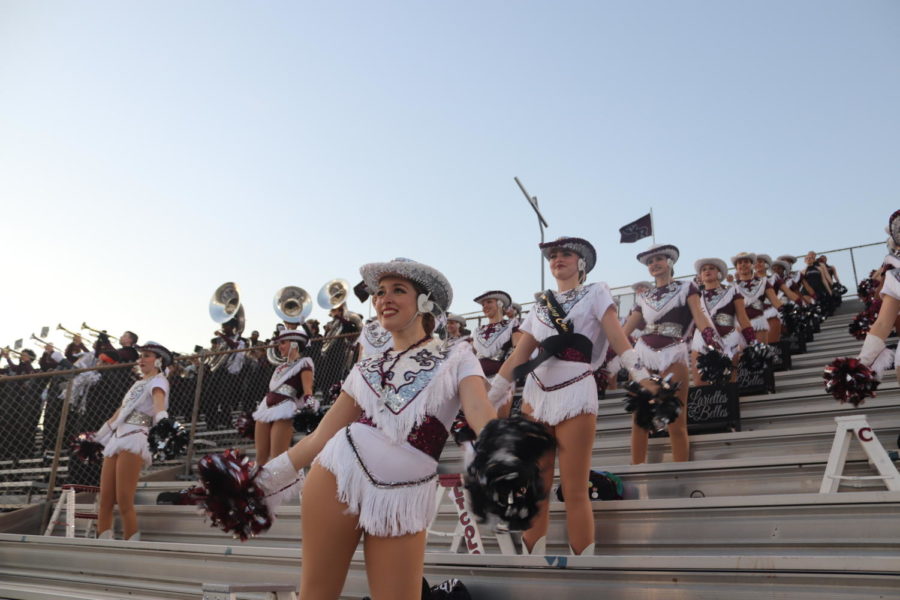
(429, 437)
(573, 355)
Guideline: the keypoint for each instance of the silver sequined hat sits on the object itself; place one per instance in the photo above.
(158, 349)
(784, 265)
(644, 284)
(434, 282)
(292, 335)
(765, 258)
(498, 295)
(716, 262)
(579, 246)
(788, 258)
(458, 318)
(743, 255)
(668, 250)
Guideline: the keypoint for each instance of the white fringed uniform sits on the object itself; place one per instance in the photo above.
(380, 462)
(375, 339)
(666, 314)
(133, 438)
(719, 307)
(286, 381)
(754, 290)
(561, 389)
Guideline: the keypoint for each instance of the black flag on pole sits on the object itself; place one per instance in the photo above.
(636, 230)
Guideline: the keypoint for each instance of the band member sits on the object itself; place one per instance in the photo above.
(560, 389)
(665, 314)
(724, 307)
(754, 290)
(128, 352)
(223, 394)
(75, 349)
(290, 388)
(24, 366)
(375, 454)
(51, 358)
(339, 347)
(494, 340)
(124, 436)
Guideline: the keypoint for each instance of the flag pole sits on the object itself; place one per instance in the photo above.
(652, 227)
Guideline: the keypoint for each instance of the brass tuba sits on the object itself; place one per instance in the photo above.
(334, 293)
(224, 306)
(292, 304)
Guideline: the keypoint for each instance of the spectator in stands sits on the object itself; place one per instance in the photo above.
(128, 353)
(124, 437)
(254, 339)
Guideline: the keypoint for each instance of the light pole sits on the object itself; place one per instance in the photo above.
(533, 201)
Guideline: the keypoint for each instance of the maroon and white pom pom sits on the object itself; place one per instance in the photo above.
(848, 380)
(86, 449)
(233, 501)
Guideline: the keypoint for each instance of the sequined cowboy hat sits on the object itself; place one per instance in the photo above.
(579, 246)
(765, 258)
(158, 349)
(644, 284)
(780, 263)
(498, 295)
(893, 227)
(743, 256)
(458, 318)
(432, 280)
(788, 258)
(716, 262)
(668, 250)
(292, 335)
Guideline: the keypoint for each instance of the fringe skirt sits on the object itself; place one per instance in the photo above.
(552, 405)
(393, 494)
(662, 359)
(733, 343)
(279, 412)
(134, 442)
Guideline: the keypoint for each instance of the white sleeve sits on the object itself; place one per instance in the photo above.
(468, 366)
(528, 324)
(891, 285)
(602, 301)
(160, 382)
(352, 385)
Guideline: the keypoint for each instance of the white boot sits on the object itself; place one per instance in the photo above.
(135, 537)
(588, 551)
(539, 548)
(280, 481)
(106, 535)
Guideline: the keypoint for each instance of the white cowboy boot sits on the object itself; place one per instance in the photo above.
(588, 551)
(539, 548)
(135, 537)
(106, 535)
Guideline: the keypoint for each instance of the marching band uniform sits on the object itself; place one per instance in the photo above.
(666, 315)
(386, 462)
(493, 341)
(132, 425)
(75, 351)
(50, 360)
(286, 392)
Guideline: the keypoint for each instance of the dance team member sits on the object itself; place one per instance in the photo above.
(124, 437)
(754, 289)
(290, 388)
(560, 389)
(374, 456)
(666, 314)
(724, 307)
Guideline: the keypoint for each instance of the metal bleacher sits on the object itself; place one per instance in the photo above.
(743, 520)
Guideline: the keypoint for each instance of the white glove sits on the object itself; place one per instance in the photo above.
(632, 363)
(160, 416)
(279, 480)
(500, 391)
(871, 348)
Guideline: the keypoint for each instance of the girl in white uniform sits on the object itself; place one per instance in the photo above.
(560, 389)
(494, 340)
(290, 388)
(374, 456)
(124, 437)
(666, 313)
(873, 353)
(754, 289)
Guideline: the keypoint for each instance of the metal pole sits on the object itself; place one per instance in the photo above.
(533, 201)
(195, 415)
(853, 262)
(652, 226)
(57, 451)
(540, 255)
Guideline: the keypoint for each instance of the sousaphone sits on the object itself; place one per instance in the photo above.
(225, 306)
(333, 294)
(292, 304)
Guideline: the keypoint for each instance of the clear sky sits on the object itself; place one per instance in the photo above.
(150, 151)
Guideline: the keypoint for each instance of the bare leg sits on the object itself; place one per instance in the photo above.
(735, 362)
(678, 435)
(329, 537)
(107, 494)
(541, 522)
(282, 432)
(261, 435)
(695, 372)
(763, 336)
(640, 439)
(394, 566)
(128, 471)
(575, 437)
(774, 330)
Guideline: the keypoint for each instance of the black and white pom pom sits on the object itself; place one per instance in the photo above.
(757, 356)
(714, 366)
(245, 425)
(306, 419)
(232, 500)
(860, 325)
(504, 477)
(848, 380)
(652, 411)
(86, 449)
(461, 431)
(334, 391)
(168, 439)
(865, 291)
(601, 376)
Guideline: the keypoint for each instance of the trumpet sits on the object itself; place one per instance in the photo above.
(44, 342)
(98, 333)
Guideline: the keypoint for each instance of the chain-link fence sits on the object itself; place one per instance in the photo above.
(42, 413)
